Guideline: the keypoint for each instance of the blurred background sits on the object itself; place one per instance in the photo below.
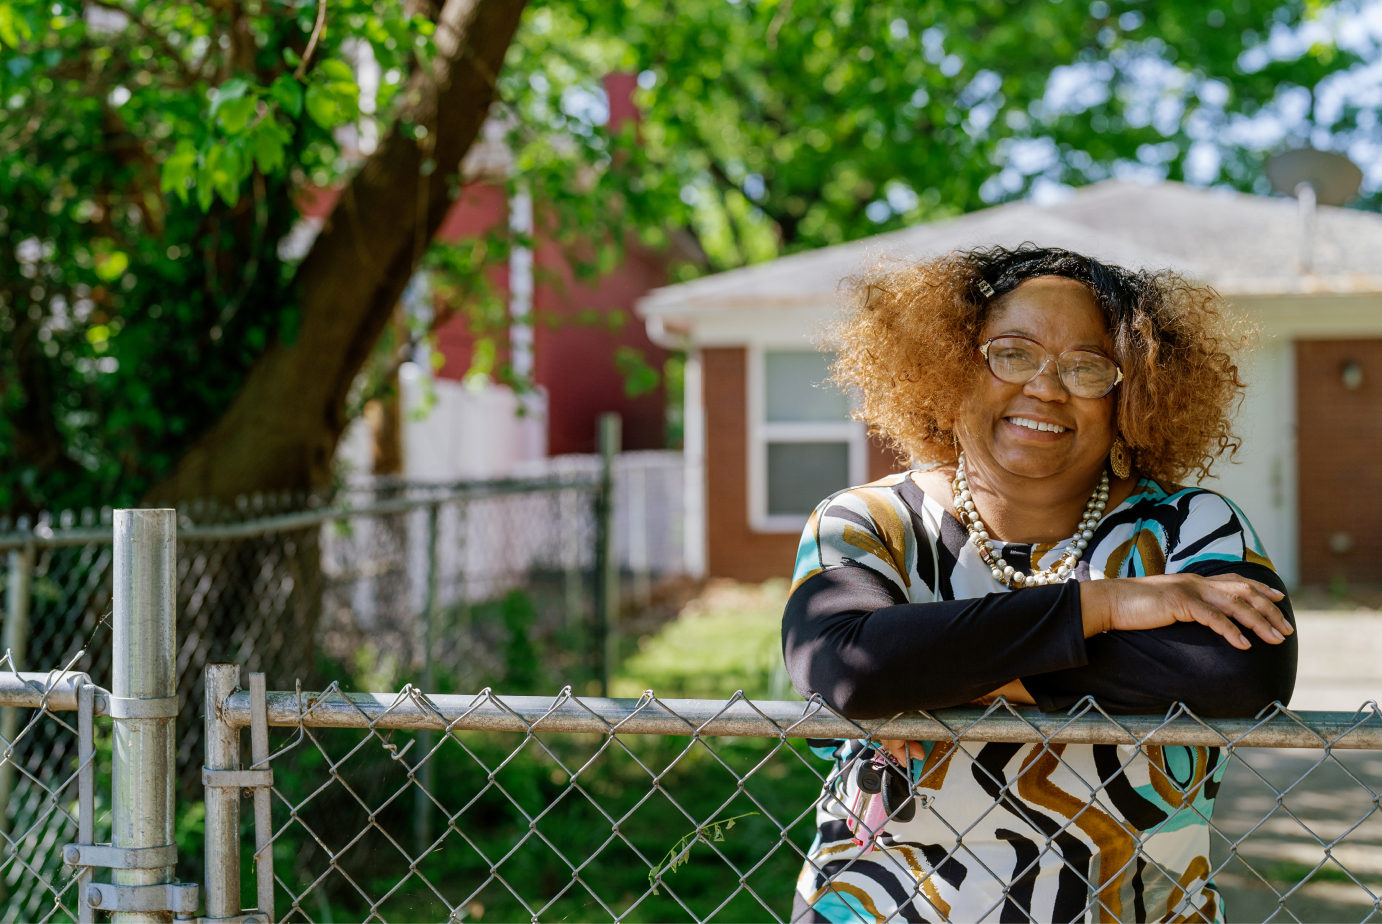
(476, 343)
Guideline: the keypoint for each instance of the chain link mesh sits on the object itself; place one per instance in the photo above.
(716, 822)
(39, 810)
(346, 596)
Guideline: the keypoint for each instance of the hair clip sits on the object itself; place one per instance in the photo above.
(986, 288)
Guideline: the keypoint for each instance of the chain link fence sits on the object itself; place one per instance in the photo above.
(435, 806)
(471, 583)
(571, 808)
(54, 800)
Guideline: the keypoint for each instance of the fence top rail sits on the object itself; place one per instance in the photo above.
(57, 690)
(739, 717)
(45, 536)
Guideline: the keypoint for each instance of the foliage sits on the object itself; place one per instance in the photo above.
(680, 854)
(794, 124)
(153, 154)
(150, 157)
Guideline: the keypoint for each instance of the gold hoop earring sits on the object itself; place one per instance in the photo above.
(1120, 458)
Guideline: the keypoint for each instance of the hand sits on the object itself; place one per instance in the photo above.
(1221, 602)
(903, 750)
(1015, 692)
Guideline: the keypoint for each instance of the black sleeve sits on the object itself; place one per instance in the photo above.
(1148, 670)
(846, 637)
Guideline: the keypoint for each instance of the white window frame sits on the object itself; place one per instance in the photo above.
(762, 432)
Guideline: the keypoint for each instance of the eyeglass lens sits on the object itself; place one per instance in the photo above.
(1084, 374)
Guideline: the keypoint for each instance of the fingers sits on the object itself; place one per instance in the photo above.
(1266, 590)
(1207, 615)
(899, 748)
(1245, 602)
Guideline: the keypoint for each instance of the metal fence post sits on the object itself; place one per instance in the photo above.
(263, 814)
(17, 597)
(606, 562)
(144, 671)
(222, 743)
(422, 808)
(86, 794)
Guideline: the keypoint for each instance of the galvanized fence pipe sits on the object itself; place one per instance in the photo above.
(263, 820)
(748, 719)
(86, 794)
(17, 597)
(143, 703)
(222, 800)
(44, 536)
(606, 559)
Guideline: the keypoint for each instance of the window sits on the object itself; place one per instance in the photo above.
(804, 447)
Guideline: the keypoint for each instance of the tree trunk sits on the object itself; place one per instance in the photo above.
(281, 431)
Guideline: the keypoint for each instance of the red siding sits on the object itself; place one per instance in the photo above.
(578, 330)
(480, 207)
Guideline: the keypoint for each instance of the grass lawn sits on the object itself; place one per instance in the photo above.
(728, 638)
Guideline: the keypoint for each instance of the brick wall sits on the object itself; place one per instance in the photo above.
(1339, 437)
(735, 550)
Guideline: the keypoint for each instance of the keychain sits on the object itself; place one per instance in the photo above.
(883, 794)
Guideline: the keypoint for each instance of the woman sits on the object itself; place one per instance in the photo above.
(1045, 555)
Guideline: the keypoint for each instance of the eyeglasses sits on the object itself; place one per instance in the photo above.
(1018, 360)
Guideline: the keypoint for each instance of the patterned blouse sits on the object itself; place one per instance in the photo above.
(892, 610)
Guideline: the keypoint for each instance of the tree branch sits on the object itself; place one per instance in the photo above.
(281, 431)
(312, 42)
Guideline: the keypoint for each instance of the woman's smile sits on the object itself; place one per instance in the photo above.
(1040, 429)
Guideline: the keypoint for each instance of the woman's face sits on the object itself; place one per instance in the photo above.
(1060, 314)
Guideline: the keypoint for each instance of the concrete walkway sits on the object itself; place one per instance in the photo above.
(1340, 660)
(1285, 814)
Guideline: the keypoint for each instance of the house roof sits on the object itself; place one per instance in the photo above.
(1241, 244)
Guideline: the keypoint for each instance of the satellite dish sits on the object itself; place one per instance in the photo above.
(1334, 177)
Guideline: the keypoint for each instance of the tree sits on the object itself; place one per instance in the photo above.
(796, 124)
(160, 343)
(161, 339)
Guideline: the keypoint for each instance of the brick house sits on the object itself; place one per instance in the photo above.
(769, 441)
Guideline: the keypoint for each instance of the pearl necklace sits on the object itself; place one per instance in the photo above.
(1003, 572)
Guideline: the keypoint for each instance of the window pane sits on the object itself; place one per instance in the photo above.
(797, 387)
(801, 475)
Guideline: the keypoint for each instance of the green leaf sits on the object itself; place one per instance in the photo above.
(267, 142)
(207, 174)
(334, 70)
(332, 96)
(178, 168)
(332, 104)
(287, 92)
(322, 107)
(233, 89)
(234, 115)
(232, 167)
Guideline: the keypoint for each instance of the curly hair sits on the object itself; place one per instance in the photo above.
(908, 346)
